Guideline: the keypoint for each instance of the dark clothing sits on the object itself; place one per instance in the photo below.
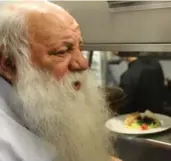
(143, 84)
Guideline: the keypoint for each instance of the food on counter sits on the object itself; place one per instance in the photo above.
(142, 121)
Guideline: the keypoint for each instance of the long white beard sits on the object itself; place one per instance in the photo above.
(73, 121)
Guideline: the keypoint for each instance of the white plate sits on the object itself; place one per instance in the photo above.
(116, 125)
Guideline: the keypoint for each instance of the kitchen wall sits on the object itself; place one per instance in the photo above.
(99, 25)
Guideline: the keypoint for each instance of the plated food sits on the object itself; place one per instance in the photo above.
(142, 121)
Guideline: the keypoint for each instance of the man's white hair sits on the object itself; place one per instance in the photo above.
(13, 28)
(13, 31)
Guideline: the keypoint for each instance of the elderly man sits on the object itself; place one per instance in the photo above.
(51, 109)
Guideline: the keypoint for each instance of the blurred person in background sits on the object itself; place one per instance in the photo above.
(143, 84)
(51, 109)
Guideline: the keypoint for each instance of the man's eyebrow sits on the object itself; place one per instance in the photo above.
(69, 44)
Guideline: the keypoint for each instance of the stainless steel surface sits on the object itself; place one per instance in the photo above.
(164, 137)
(136, 149)
(129, 47)
(154, 147)
(99, 25)
(123, 6)
(104, 68)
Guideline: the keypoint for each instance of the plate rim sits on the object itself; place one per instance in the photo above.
(137, 133)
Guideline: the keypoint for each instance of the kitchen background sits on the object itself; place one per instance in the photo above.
(101, 59)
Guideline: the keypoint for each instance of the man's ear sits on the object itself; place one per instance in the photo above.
(7, 68)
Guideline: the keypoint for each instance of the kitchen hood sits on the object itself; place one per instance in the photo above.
(123, 25)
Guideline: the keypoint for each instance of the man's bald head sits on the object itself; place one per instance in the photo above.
(41, 32)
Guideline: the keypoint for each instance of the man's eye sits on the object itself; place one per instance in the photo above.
(62, 52)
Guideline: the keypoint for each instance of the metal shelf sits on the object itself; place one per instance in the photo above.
(128, 47)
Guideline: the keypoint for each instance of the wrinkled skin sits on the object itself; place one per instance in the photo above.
(55, 41)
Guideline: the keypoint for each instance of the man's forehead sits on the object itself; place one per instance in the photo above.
(50, 22)
(49, 26)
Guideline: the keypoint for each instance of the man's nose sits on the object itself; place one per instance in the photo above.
(78, 63)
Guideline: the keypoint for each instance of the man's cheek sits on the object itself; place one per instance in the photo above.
(59, 71)
(60, 67)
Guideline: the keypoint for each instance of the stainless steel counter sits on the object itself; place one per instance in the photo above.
(163, 137)
(156, 147)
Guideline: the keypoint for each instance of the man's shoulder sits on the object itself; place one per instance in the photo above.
(126, 76)
(15, 139)
(20, 142)
(5, 87)
(7, 152)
